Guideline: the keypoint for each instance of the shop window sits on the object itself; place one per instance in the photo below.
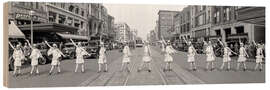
(239, 30)
(82, 24)
(218, 33)
(82, 13)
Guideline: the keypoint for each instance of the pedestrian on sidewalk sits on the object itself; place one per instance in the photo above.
(56, 56)
(227, 56)
(146, 60)
(35, 55)
(242, 56)
(18, 56)
(259, 56)
(80, 53)
(210, 56)
(102, 60)
(169, 51)
(126, 58)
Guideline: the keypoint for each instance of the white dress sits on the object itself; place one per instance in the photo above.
(55, 56)
(35, 54)
(168, 51)
(79, 55)
(18, 56)
(242, 55)
(126, 57)
(191, 54)
(259, 55)
(102, 57)
(210, 54)
(146, 57)
(226, 56)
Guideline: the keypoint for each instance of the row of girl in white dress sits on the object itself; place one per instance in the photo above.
(211, 56)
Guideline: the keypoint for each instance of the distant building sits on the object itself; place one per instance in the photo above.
(165, 23)
(122, 32)
(182, 26)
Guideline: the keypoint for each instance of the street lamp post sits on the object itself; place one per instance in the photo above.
(32, 32)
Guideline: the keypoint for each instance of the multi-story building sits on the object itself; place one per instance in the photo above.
(71, 14)
(122, 32)
(165, 23)
(19, 12)
(200, 22)
(255, 17)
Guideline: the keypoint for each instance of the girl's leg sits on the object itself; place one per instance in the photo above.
(261, 66)
(256, 67)
(59, 69)
(15, 70)
(32, 69)
(51, 69)
(213, 65)
(222, 66)
(207, 65)
(229, 65)
(191, 67)
(238, 66)
(245, 66)
(82, 67)
(99, 67)
(128, 67)
(37, 69)
(106, 67)
(19, 70)
(122, 66)
(149, 66)
(76, 68)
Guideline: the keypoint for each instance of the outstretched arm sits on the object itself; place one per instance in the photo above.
(48, 44)
(255, 43)
(11, 45)
(73, 43)
(29, 44)
(221, 43)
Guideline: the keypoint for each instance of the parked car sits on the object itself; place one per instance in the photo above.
(92, 48)
(69, 50)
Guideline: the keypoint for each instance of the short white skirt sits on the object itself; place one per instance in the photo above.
(18, 62)
(102, 60)
(259, 59)
(168, 58)
(241, 58)
(226, 58)
(191, 58)
(210, 58)
(34, 62)
(147, 58)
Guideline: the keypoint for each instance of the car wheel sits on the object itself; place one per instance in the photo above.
(11, 64)
(72, 56)
(42, 61)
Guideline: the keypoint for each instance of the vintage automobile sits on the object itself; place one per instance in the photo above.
(69, 50)
(92, 47)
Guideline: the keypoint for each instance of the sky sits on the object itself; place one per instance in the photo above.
(141, 17)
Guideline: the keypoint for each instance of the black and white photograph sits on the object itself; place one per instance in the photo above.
(73, 44)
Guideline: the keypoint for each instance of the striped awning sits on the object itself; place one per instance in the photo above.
(14, 31)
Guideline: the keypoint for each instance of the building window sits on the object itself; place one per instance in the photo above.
(71, 8)
(82, 13)
(77, 11)
(239, 30)
(82, 24)
(52, 17)
(62, 5)
(62, 19)
(218, 33)
(37, 5)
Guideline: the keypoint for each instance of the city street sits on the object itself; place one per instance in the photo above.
(115, 77)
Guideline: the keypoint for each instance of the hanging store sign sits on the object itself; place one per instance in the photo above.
(25, 16)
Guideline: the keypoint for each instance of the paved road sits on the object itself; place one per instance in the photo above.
(115, 77)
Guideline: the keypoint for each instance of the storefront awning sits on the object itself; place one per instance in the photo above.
(237, 36)
(72, 36)
(14, 31)
(49, 27)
